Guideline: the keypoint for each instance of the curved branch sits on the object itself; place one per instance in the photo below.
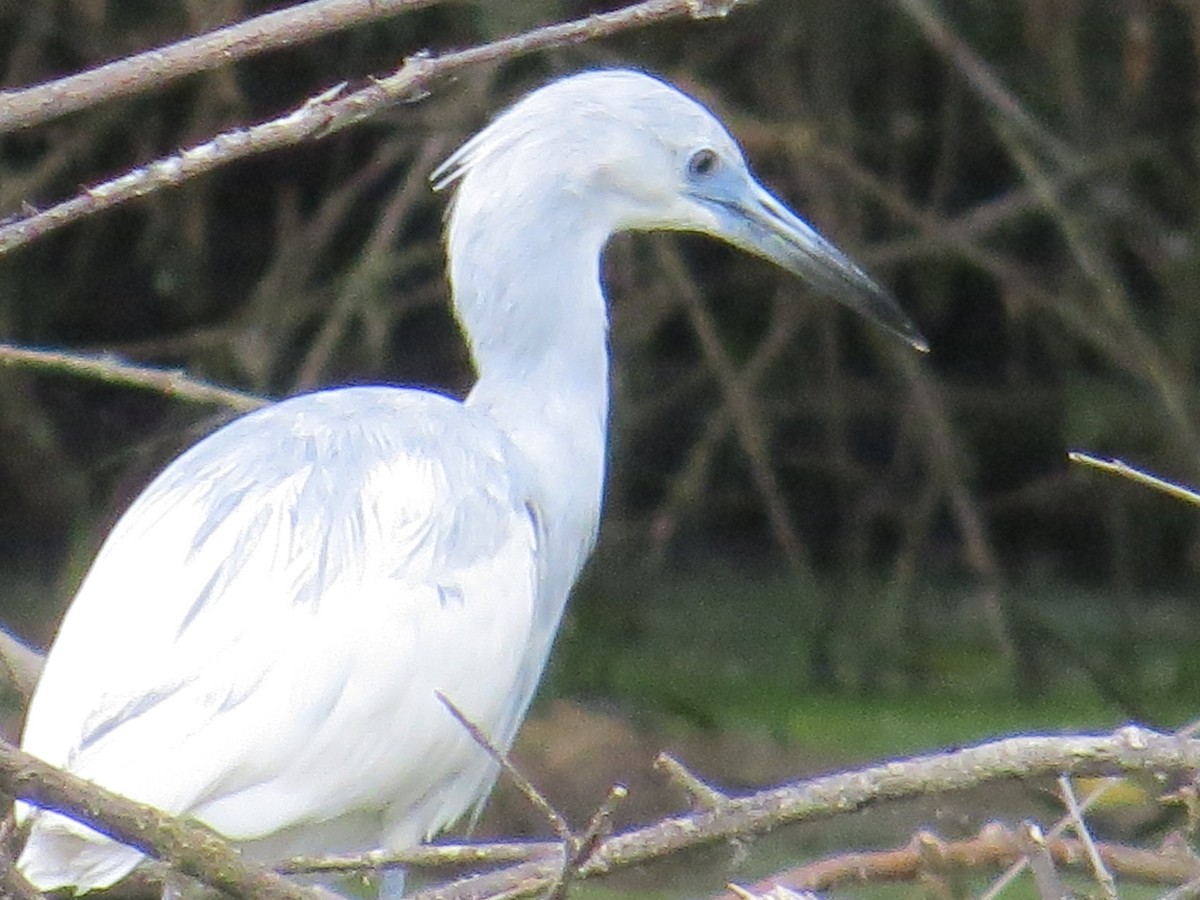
(188, 848)
(334, 109)
(27, 107)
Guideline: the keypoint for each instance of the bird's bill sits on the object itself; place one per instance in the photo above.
(761, 224)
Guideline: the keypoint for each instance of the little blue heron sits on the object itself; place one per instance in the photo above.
(261, 637)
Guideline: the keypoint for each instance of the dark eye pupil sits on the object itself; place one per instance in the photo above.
(703, 162)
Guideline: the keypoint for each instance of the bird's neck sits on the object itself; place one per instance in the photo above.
(536, 321)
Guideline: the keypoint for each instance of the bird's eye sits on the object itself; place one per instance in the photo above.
(703, 163)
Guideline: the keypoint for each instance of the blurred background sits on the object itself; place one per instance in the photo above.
(818, 547)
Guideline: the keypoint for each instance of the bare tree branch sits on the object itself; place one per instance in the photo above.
(335, 109)
(1128, 749)
(979, 75)
(426, 856)
(104, 367)
(1133, 473)
(163, 65)
(196, 851)
(1000, 884)
(1041, 864)
(749, 425)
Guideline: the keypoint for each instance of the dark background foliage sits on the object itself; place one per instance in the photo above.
(1044, 239)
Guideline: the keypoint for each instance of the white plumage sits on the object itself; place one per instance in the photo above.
(259, 641)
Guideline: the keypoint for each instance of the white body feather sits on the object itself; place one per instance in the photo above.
(259, 641)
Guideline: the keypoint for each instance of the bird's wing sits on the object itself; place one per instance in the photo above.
(260, 638)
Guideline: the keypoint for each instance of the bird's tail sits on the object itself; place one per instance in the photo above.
(62, 853)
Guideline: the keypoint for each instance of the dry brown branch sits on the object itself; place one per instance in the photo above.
(335, 109)
(1128, 749)
(935, 428)
(1056, 831)
(1041, 863)
(575, 849)
(688, 484)
(156, 68)
(1115, 314)
(106, 368)
(188, 848)
(995, 846)
(978, 74)
(743, 410)
(1124, 346)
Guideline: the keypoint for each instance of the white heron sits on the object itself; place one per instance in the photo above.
(259, 641)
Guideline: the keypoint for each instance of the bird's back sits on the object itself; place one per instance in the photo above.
(259, 640)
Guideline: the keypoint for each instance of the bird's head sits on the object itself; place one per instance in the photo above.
(622, 150)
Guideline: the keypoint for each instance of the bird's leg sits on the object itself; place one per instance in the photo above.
(180, 887)
(173, 887)
(391, 884)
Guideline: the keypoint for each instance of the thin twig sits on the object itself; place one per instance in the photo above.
(598, 827)
(425, 856)
(107, 368)
(749, 425)
(702, 793)
(1133, 473)
(523, 784)
(1075, 813)
(979, 75)
(1037, 855)
(1059, 827)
